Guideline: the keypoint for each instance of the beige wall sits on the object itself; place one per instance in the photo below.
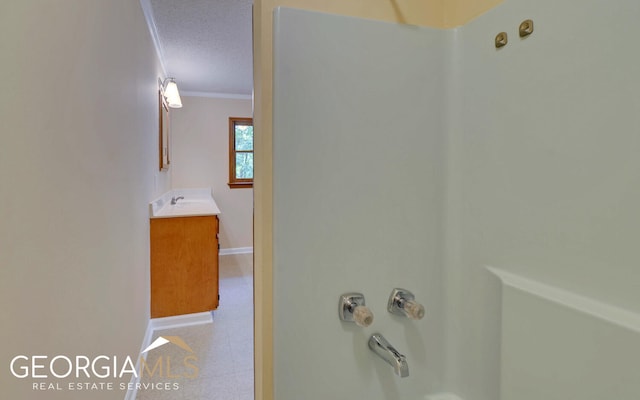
(459, 12)
(433, 13)
(78, 166)
(200, 158)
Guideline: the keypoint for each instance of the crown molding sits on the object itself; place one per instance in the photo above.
(153, 30)
(215, 95)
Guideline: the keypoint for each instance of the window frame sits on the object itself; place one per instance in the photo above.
(234, 182)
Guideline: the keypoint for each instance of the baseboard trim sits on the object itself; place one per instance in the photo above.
(179, 321)
(156, 324)
(236, 250)
(146, 341)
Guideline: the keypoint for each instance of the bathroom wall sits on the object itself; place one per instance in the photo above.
(78, 166)
(538, 166)
(358, 124)
(432, 13)
(543, 180)
(200, 158)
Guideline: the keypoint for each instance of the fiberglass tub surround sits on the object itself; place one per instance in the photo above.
(500, 186)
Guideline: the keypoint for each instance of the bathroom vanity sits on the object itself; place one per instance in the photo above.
(184, 229)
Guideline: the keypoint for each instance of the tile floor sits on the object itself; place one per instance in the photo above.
(224, 349)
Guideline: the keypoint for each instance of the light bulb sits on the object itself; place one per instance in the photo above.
(172, 95)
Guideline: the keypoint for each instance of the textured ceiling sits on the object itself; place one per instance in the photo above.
(205, 44)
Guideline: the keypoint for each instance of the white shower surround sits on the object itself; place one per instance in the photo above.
(526, 162)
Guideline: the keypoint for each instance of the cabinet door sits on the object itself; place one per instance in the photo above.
(184, 265)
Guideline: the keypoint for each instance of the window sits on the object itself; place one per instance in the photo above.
(240, 152)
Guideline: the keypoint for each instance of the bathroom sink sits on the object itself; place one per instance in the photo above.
(191, 202)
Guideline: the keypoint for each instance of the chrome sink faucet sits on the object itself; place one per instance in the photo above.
(379, 345)
(174, 200)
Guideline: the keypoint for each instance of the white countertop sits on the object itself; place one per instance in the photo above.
(196, 202)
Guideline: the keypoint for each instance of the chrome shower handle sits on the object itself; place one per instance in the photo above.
(352, 308)
(402, 302)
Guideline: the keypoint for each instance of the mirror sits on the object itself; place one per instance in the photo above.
(164, 132)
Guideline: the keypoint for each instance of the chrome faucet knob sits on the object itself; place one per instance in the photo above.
(352, 308)
(402, 302)
(362, 316)
(413, 309)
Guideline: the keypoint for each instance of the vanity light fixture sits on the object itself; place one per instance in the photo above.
(170, 93)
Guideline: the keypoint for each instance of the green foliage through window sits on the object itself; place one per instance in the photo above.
(244, 137)
(244, 165)
(240, 152)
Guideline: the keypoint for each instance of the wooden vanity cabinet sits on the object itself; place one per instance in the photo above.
(184, 265)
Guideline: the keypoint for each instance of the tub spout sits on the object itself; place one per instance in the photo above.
(379, 345)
